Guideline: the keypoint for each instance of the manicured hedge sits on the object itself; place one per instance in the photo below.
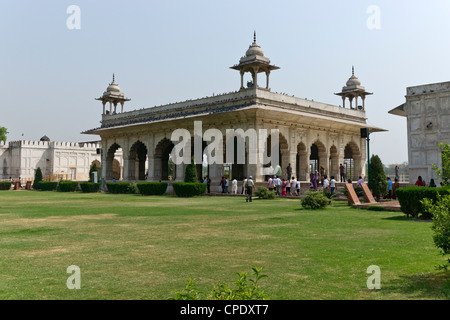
(410, 199)
(67, 186)
(89, 187)
(189, 189)
(152, 188)
(118, 187)
(47, 185)
(6, 185)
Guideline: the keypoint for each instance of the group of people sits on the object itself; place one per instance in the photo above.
(421, 183)
(328, 184)
(248, 185)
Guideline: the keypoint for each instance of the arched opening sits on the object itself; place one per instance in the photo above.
(352, 159)
(283, 158)
(111, 155)
(138, 161)
(165, 168)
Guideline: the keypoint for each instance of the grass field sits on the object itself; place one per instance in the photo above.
(135, 247)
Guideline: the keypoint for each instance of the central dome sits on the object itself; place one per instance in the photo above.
(113, 87)
(254, 50)
(353, 81)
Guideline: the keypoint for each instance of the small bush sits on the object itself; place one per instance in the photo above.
(89, 187)
(376, 208)
(37, 178)
(152, 188)
(315, 200)
(6, 185)
(264, 193)
(132, 188)
(410, 199)
(189, 189)
(47, 185)
(67, 186)
(118, 187)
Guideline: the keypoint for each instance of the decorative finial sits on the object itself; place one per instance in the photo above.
(353, 70)
(113, 78)
(254, 36)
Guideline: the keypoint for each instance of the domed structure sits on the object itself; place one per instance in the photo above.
(45, 138)
(114, 96)
(254, 50)
(354, 90)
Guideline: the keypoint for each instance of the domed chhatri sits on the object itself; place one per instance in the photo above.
(114, 96)
(254, 62)
(354, 90)
(45, 138)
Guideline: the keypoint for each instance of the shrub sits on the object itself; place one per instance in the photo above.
(441, 223)
(67, 186)
(376, 208)
(132, 188)
(189, 189)
(315, 200)
(377, 179)
(47, 185)
(243, 289)
(264, 193)
(5, 185)
(152, 188)
(89, 187)
(190, 174)
(118, 187)
(410, 199)
(37, 178)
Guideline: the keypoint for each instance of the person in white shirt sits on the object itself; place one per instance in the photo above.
(326, 183)
(293, 186)
(244, 188)
(249, 186)
(332, 185)
(278, 186)
(358, 184)
(234, 186)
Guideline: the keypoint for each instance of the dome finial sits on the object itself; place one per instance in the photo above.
(353, 70)
(113, 77)
(254, 36)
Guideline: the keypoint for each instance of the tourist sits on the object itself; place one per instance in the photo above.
(358, 184)
(288, 186)
(289, 172)
(244, 191)
(250, 185)
(278, 186)
(419, 182)
(293, 186)
(270, 184)
(222, 184)
(298, 187)
(283, 188)
(396, 173)
(325, 183)
(226, 185)
(332, 185)
(342, 172)
(394, 188)
(208, 184)
(389, 188)
(234, 186)
(432, 183)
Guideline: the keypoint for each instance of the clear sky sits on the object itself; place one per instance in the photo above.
(169, 51)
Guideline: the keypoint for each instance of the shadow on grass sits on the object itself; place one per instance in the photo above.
(404, 218)
(421, 286)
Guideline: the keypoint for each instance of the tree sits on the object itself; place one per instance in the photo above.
(94, 169)
(190, 174)
(444, 172)
(377, 178)
(37, 178)
(441, 224)
(3, 133)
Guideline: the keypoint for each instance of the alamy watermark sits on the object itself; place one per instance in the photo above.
(374, 20)
(74, 281)
(73, 22)
(256, 149)
(374, 281)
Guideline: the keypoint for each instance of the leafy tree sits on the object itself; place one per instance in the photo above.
(94, 168)
(444, 172)
(3, 133)
(190, 174)
(37, 178)
(377, 178)
(441, 223)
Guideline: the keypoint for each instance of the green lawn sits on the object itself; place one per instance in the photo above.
(135, 247)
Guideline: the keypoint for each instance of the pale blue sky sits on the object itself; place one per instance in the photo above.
(169, 51)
